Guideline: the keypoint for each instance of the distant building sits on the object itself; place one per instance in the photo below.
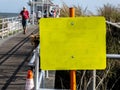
(42, 5)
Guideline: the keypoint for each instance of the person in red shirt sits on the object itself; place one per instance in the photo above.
(25, 16)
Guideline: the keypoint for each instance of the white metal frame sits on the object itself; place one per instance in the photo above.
(40, 76)
(14, 25)
(33, 3)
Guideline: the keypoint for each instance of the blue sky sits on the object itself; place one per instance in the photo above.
(16, 5)
(91, 5)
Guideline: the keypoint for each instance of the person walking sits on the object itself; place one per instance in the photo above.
(25, 16)
(39, 15)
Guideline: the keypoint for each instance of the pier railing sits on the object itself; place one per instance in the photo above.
(9, 26)
(40, 74)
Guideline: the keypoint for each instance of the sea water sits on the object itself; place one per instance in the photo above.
(5, 15)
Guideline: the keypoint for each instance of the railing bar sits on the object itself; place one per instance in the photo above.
(113, 56)
(108, 56)
(36, 69)
(40, 79)
(114, 24)
(32, 61)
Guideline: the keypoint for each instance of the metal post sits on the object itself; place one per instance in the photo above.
(36, 69)
(12, 26)
(72, 72)
(3, 28)
(42, 8)
(47, 9)
(92, 84)
(94, 79)
(47, 76)
(43, 79)
(33, 3)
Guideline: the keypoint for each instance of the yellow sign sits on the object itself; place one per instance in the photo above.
(72, 43)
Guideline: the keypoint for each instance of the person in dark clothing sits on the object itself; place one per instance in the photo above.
(45, 14)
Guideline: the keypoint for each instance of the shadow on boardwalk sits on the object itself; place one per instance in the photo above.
(15, 53)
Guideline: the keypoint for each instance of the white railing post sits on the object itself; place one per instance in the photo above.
(8, 25)
(47, 74)
(42, 8)
(33, 2)
(7, 21)
(94, 79)
(3, 26)
(43, 79)
(36, 68)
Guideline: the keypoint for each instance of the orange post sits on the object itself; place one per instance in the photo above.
(72, 72)
(72, 12)
(73, 80)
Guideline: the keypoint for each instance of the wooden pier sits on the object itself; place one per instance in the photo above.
(15, 53)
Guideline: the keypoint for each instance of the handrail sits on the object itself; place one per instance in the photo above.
(113, 56)
(9, 25)
(113, 24)
(38, 79)
(32, 60)
(41, 79)
(39, 76)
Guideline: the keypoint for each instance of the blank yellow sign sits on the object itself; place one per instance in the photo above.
(72, 43)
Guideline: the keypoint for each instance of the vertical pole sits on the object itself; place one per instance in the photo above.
(3, 27)
(94, 79)
(36, 69)
(47, 76)
(42, 8)
(72, 12)
(92, 84)
(43, 79)
(72, 72)
(47, 9)
(33, 2)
